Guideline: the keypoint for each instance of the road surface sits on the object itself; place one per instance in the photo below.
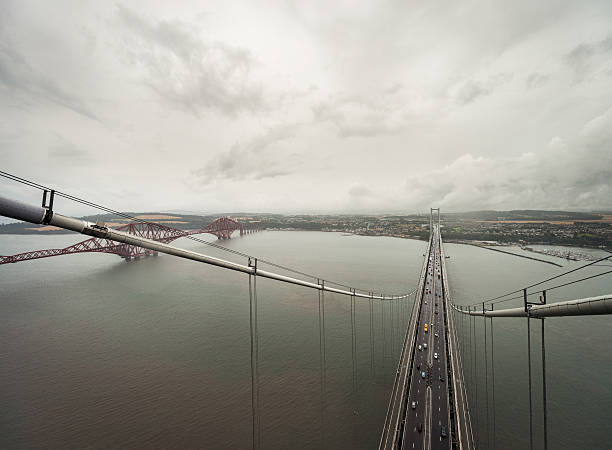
(429, 414)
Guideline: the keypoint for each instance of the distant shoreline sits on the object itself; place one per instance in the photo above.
(53, 231)
(520, 227)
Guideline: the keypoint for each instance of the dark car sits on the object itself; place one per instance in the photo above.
(420, 427)
(443, 431)
(441, 378)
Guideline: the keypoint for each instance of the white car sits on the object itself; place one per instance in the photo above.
(420, 347)
(435, 356)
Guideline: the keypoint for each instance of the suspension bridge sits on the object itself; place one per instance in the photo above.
(432, 404)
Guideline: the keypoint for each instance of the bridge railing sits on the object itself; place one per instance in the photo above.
(464, 421)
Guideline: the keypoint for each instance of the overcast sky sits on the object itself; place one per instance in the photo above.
(311, 106)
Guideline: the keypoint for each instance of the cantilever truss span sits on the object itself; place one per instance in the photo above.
(222, 228)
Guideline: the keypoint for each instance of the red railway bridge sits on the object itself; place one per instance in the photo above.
(222, 228)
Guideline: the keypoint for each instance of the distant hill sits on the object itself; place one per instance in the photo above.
(392, 225)
(525, 214)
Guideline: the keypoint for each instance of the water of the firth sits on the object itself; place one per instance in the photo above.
(99, 353)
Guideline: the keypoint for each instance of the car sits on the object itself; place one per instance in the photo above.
(420, 347)
(425, 345)
(441, 378)
(425, 301)
(413, 405)
(435, 355)
(443, 431)
(423, 374)
(420, 427)
(436, 311)
(436, 335)
(419, 366)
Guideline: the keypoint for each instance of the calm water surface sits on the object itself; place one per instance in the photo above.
(578, 355)
(100, 353)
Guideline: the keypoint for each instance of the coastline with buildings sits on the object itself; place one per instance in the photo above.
(525, 229)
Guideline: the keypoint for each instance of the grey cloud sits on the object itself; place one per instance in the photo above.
(575, 174)
(259, 158)
(473, 89)
(393, 89)
(188, 72)
(583, 59)
(272, 136)
(535, 80)
(273, 173)
(359, 191)
(361, 197)
(24, 82)
(89, 39)
(67, 152)
(578, 59)
(470, 91)
(577, 56)
(360, 116)
(370, 84)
